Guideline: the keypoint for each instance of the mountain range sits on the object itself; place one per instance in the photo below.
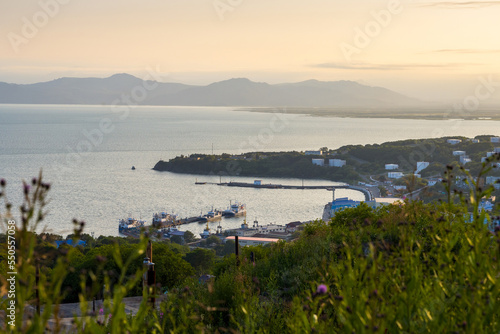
(233, 92)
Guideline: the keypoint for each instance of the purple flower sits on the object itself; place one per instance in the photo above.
(322, 289)
(3, 182)
(26, 189)
(101, 311)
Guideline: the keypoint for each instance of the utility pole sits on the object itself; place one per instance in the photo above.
(37, 293)
(237, 250)
(149, 278)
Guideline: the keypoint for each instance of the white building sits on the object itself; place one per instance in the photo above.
(391, 166)
(400, 187)
(489, 154)
(458, 153)
(475, 141)
(493, 180)
(378, 202)
(464, 159)
(421, 166)
(318, 162)
(495, 139)
(432, 182)
(395, 175)
(454, 141)
(496, 150)
(314, 152)
(337, 163)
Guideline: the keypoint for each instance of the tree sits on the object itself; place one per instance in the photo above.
(177, 239)
(201, 259)
(213, 240)
(225, 249)
(189, 237)
(383, 191)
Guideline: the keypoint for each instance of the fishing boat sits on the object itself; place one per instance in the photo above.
(206, 232)
(129, 223)
(163, 218)
(211, 216)
(235, 210)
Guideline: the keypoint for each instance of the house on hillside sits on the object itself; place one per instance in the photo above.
(318, 162)
(395, 175)
(314, 152)
(336, 163)
(453, 141)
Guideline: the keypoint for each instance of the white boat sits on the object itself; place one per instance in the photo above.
(129, 223)
(163, 218)
(235, 210)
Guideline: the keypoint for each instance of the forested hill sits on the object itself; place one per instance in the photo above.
(362, 161)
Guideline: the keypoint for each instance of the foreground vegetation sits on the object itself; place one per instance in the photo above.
(404, 268)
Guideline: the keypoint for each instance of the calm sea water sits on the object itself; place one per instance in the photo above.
(87, 152)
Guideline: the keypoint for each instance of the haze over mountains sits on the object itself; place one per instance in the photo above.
(233, 92)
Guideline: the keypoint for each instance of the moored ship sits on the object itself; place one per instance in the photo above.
(235, 210)
(163, 218)
(129, 223)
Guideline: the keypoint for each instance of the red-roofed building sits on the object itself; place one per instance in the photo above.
(251, 241)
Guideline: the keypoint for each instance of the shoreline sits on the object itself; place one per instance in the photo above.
(430, 114)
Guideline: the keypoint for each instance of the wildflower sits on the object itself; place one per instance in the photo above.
(101, 311)
(26, 189)
(33, 181)
(322, 289)
(3, 182)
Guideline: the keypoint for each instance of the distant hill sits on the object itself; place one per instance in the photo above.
(233, 92)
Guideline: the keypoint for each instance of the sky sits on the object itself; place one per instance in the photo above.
(432, 50)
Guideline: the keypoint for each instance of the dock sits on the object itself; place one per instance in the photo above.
(365, 191)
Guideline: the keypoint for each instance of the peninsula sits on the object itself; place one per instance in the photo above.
(390, 167)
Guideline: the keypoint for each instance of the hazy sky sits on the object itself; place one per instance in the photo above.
(425, 49)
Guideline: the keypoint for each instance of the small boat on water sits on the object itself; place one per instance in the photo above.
(235, 210)
(196, 182)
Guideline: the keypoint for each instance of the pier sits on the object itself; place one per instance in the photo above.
(365, 191)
